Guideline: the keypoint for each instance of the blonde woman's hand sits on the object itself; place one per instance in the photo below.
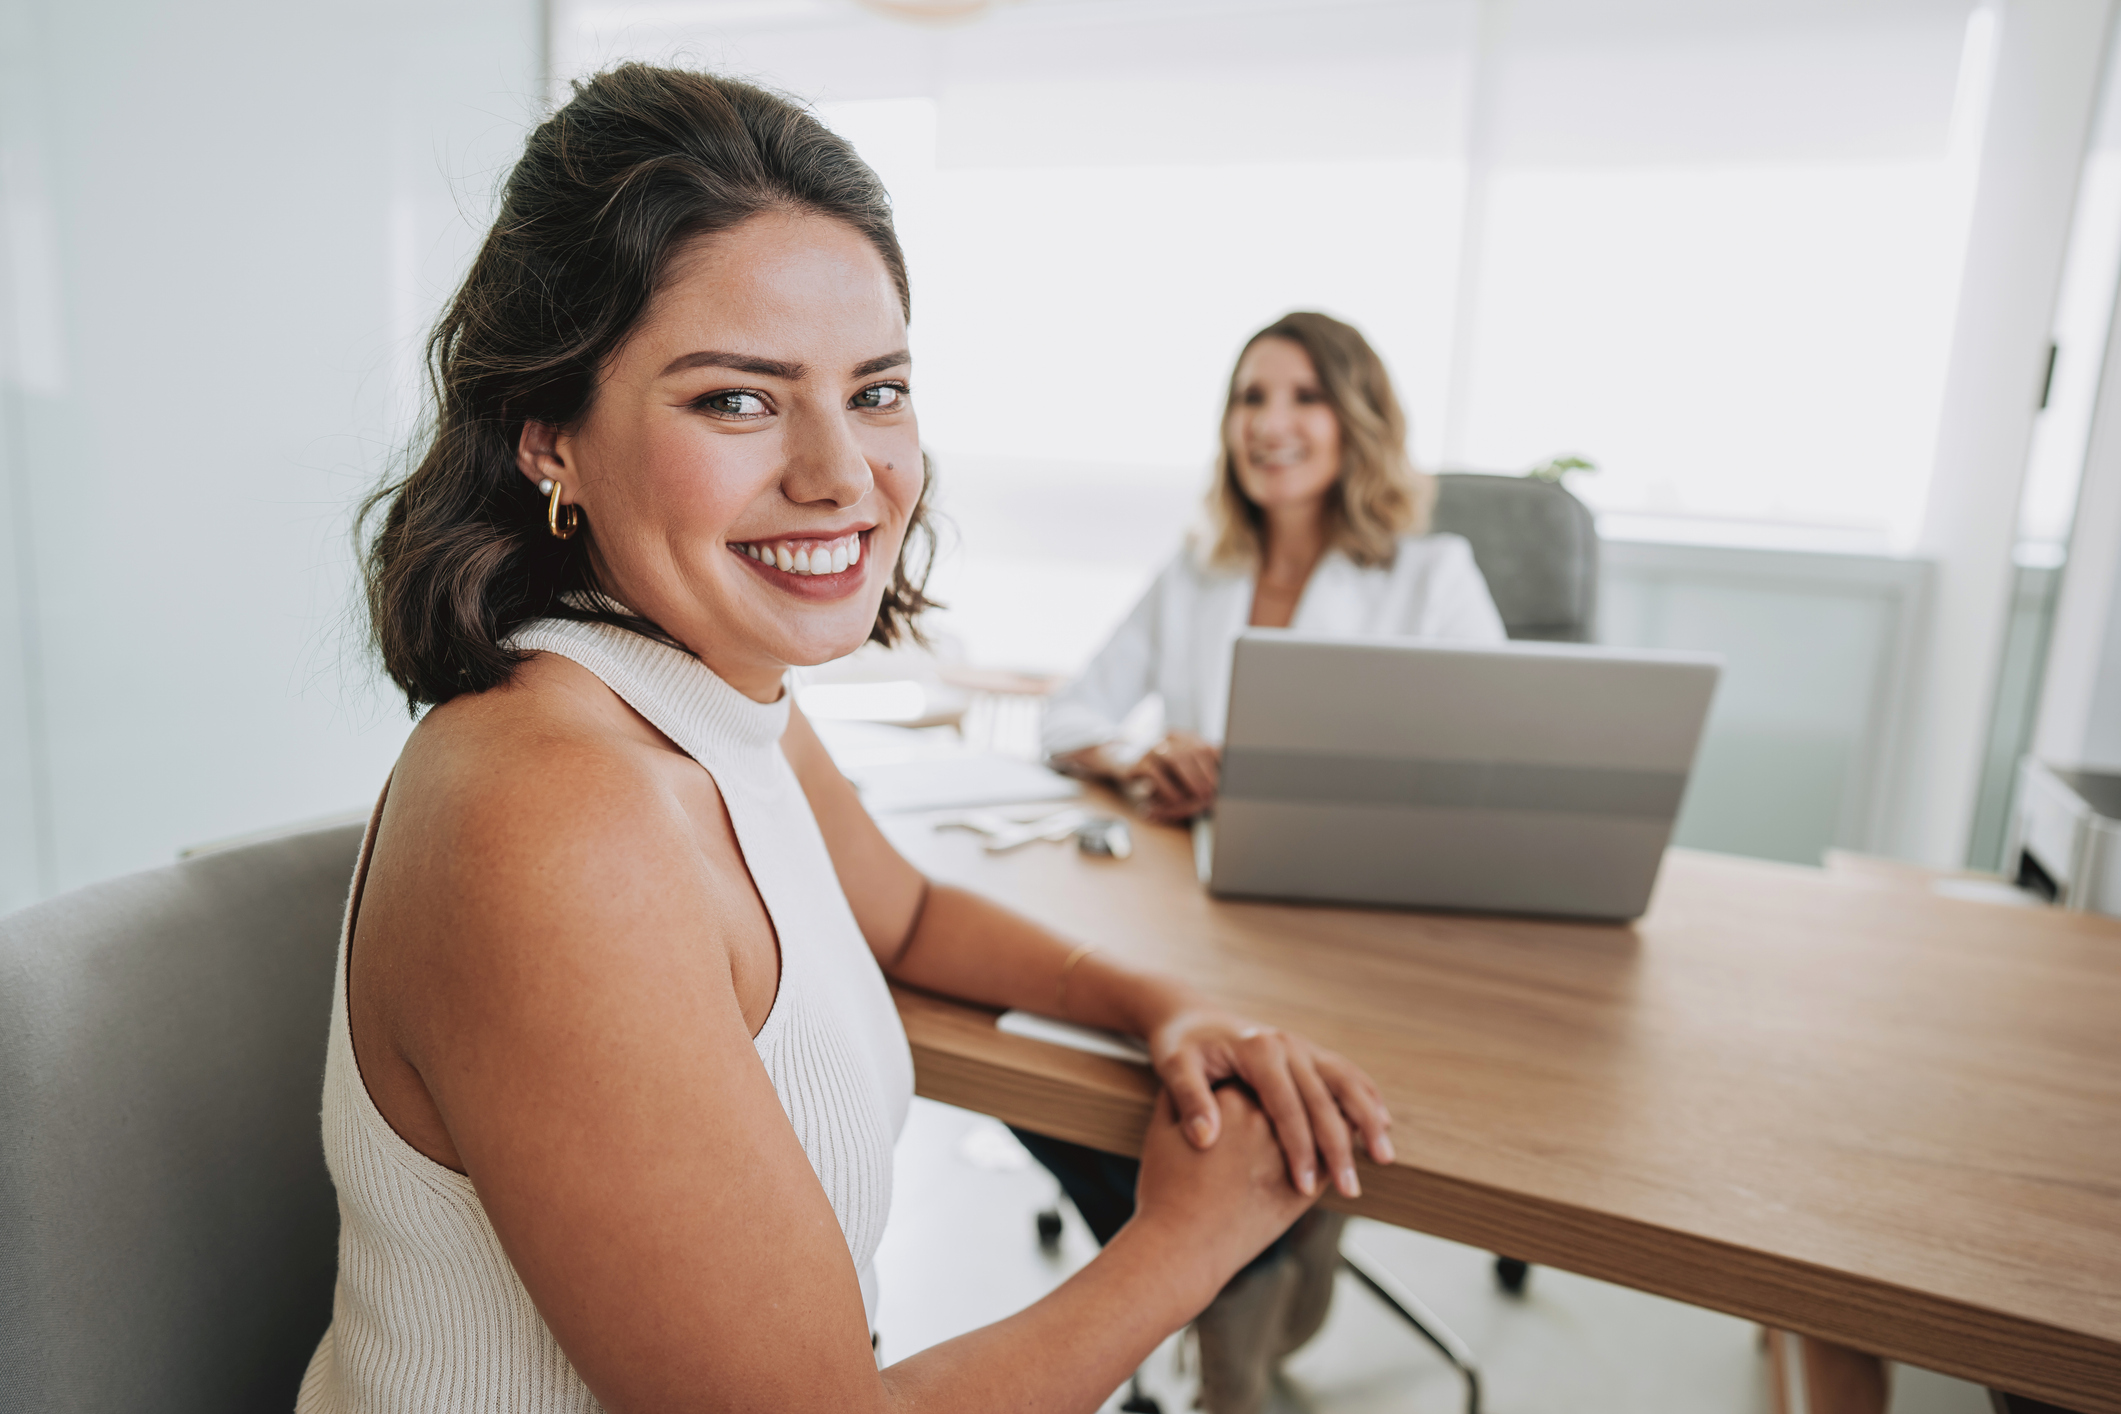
(1175, 779)
(1321, 1104)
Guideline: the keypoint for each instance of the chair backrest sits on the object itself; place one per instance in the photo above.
(1536, 545)
(168, 1232)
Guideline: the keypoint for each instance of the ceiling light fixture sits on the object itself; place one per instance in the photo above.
(931, 12)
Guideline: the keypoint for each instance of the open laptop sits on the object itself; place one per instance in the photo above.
(1512, 778)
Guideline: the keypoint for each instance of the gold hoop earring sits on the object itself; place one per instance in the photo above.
(552, 490)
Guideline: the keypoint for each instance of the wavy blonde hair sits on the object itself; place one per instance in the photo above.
(1378, 497)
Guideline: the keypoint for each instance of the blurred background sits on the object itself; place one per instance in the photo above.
(1823, 288)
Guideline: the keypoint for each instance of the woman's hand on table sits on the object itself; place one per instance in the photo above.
(1175, 779)
(1321, 1104)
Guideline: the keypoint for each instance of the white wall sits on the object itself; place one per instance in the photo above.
(2079, 721)
(2050, 54)
(226, 225)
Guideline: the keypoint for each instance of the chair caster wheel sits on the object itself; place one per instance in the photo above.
(1049, 1229)
(1510, 1274)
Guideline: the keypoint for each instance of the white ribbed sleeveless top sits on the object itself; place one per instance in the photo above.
(428, 1315)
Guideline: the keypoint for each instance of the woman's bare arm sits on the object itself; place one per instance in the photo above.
(956, 942)
(953, 941)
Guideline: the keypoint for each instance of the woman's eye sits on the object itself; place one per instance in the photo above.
(881, 397)
(732, 402)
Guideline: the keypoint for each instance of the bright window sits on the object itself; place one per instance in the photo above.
(1713, 246)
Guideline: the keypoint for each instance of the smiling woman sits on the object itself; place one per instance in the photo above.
(1315, 522)
(613, 1075)
(460, 557)
(814, 456)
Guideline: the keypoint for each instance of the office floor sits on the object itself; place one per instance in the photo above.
(961, 1251)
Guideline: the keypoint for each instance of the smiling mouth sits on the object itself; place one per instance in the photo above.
(1278, 460)
(809, 558)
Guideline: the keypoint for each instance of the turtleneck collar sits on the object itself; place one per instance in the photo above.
(682, 697)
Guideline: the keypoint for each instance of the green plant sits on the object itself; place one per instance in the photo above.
(1554, 468)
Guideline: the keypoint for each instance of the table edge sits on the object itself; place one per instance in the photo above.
(961, 1059)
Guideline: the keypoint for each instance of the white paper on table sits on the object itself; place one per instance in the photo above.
(1078, 1038)
(958, 783)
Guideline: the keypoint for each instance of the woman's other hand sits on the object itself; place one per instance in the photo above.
(1175, 779)
(1321, 1104)
(1224, 1203)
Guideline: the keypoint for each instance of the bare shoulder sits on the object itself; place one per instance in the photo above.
(550, 767)
(540, 828)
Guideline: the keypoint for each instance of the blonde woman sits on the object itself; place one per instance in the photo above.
(1316, 522)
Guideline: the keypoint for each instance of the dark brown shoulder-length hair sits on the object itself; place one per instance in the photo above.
(1379, 495)
(610, 188)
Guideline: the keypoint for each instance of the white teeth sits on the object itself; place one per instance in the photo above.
(832, 558)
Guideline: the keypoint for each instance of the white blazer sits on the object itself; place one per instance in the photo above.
(1179, 639)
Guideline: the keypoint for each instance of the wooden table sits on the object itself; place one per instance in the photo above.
(1835, 1105)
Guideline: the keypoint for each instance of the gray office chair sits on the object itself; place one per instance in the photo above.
(168, 1232)
(1536, 545)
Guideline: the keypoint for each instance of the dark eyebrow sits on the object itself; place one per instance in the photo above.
(773, 367)
(742, 363)
(878, 365)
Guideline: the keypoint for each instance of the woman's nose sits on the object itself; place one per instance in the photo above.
(825, 463)
(1272, 420)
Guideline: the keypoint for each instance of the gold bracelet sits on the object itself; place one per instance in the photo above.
(1068, 967)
